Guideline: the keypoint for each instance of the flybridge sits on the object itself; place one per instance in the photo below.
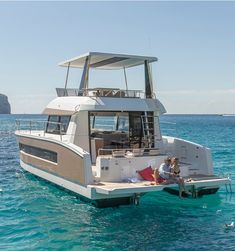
(107, 61)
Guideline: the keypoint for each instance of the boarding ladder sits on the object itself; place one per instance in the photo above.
(148, 129)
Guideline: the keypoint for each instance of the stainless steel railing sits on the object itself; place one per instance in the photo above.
(129, 152)
(101, 92)
(39, 125)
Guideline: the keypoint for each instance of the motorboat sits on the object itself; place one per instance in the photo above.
(97, 141)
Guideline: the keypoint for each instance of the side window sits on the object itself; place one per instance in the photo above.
(57, 124)
(64, 120)
(52, 124)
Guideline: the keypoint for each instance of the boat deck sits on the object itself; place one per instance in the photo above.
(196, 182)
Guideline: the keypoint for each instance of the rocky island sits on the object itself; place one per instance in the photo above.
(5, 107)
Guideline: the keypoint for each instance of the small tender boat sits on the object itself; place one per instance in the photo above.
(96, 141)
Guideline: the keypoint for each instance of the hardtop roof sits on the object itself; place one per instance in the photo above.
(107, 61)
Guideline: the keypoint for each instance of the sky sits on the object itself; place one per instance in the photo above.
(193, 41)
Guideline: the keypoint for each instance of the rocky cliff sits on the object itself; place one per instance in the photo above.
(5, 107)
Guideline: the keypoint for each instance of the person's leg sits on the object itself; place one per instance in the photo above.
(181, 187)
(156, 176)
(181, 181)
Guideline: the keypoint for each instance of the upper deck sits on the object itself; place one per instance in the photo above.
(105, 99)
(107, 61)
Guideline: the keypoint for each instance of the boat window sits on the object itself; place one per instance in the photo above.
(103, 123)
(57, 124)
(39, 152)
(64, 120)
(109, 122)
(136, 131)
(123, 123)
(52, 124)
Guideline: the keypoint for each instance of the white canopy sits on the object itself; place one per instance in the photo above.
(107, 60)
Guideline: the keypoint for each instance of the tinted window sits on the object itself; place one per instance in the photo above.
(106, 123)
(123, 123)
(109, 122)
(39, 152)
(53, 124)
(57, 124)
(64, 120)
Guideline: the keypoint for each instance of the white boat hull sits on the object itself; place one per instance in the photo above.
(111, 194)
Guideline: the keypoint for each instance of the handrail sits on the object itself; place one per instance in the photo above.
(129, 152)
(30, 126)
(100, 92)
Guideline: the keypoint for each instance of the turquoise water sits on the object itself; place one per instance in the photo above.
(35, 215)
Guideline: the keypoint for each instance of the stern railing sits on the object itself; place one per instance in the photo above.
(129, 152)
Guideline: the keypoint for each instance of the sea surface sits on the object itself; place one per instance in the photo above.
(36, 215)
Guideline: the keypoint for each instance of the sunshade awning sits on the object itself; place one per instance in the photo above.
(107, 61)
